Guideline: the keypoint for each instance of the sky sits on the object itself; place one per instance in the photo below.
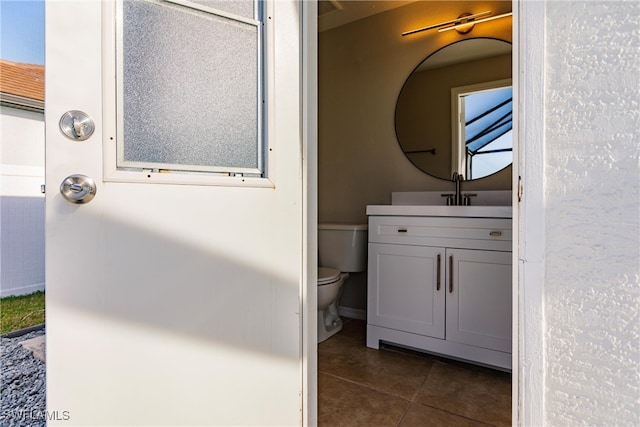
(22, 31)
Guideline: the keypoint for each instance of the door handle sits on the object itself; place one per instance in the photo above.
(450, 273)
(438, 275)
(78, 189)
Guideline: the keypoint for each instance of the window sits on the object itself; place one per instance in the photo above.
(189, 91)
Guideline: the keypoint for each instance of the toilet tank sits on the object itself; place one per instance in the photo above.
(343, 246)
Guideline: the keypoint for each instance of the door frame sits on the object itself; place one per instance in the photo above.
(309, 293)
(528, 242)
(528, 212)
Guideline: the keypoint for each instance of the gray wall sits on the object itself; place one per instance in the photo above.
(21, 245)
(21, 202)
(362, 67)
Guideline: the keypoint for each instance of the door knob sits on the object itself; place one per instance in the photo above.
(78, 189)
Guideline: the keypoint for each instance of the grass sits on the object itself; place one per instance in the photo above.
(22, 311)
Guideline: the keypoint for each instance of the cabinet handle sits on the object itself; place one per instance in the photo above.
(438, 275)
(402, 230)
(495, 233)
(450, 273)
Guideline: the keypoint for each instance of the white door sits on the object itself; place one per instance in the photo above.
(174, 297)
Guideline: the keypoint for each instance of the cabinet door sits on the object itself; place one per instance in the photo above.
(479, 298)
(403, 289)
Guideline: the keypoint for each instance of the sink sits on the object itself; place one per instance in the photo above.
(485, 204)
(434, 198)
(441, 210)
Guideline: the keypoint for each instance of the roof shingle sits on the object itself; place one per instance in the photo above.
(25, 80)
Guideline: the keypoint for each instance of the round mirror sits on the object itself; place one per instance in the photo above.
(454, 112)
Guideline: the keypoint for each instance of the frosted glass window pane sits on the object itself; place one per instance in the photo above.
(238, 7)
(190, 88)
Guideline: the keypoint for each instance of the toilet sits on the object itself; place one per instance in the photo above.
(342, 249)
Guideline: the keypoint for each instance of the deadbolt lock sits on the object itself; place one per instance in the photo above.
(76, 125)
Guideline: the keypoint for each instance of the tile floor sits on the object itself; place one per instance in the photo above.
(360, 386)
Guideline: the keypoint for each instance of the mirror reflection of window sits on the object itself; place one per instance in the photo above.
(487, 131)
(427, 119)
(482, 115)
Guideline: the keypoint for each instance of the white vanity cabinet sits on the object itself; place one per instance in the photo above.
(442, 285)
(402, 289)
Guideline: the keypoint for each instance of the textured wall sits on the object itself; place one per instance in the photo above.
(592, 213)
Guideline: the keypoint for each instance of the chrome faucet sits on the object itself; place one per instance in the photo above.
(457, 178)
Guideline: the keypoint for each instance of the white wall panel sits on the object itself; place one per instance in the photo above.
(592, 213)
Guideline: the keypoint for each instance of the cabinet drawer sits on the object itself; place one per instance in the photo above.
(469, 233)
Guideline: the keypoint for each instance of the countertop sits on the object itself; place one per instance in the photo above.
(442, 211)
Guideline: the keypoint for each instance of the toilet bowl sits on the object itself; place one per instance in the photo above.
(330, 283)
(341, 250)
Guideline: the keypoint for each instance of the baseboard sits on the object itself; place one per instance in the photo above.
(353, 313)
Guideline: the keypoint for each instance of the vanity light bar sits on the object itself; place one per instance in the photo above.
(452, 24)
(490, 18)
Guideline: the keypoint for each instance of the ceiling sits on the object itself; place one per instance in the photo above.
(334, 13)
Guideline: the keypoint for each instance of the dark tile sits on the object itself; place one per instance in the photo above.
(355, 329)
(339, 344)
(359, 386)
(421, 416)
(479, 394)
(343, 403)
(389, 372)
